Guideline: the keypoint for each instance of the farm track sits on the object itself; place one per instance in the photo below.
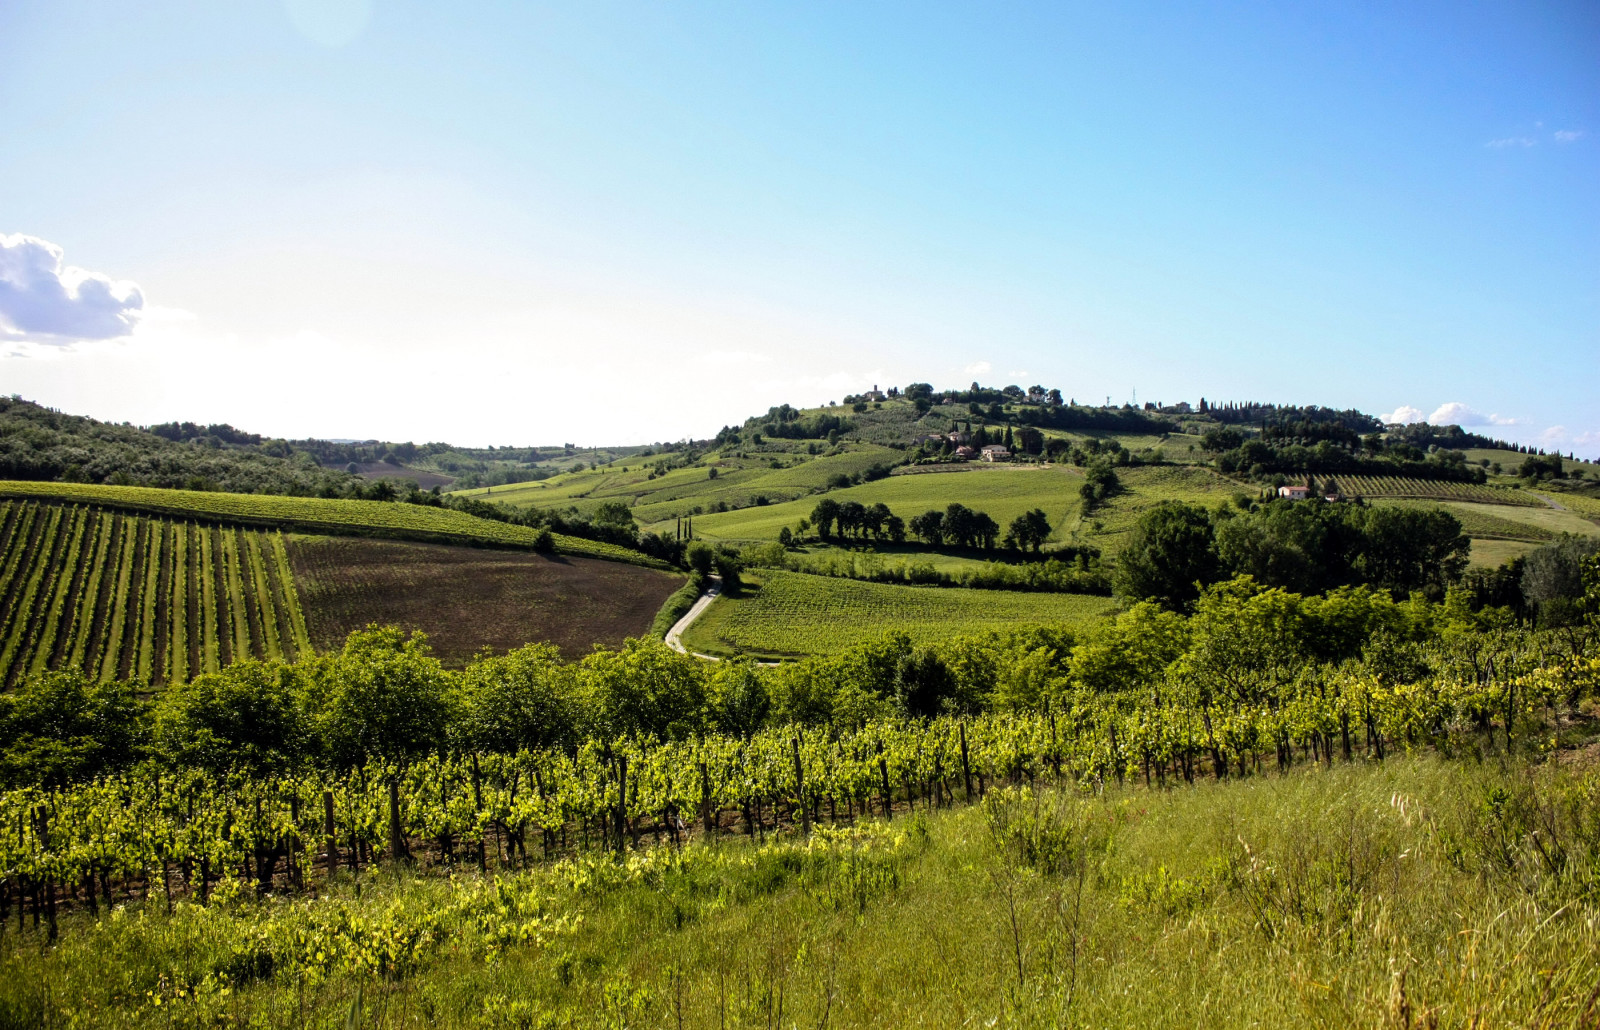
(122, 596)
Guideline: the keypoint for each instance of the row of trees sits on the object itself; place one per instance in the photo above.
(1176, 549)
(383, 696)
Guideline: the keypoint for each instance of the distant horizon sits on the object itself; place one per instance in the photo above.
(505, 221)
(835, 402)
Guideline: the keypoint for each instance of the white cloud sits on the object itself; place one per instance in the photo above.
(1404, 414)
(44, 300)
(1510, 141)
(978, 368)
(1457, 414)
(1569, 135)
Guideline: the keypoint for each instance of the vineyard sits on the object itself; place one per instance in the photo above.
(1435, 490)
(128, 597)
(159, 834)
(792, 613)
(316, 515)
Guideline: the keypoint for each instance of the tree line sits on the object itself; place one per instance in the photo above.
(383, 696)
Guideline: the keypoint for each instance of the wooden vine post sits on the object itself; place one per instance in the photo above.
(397, 842)
(622, 802)
(330, 833)
(800, 787)
(883, 772)
(966, 765)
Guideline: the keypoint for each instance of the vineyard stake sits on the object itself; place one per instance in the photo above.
(328, 831)
(966, 768)
(800, 787)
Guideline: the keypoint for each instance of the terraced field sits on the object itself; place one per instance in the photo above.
(787, 614)
(1003, 491)
(1428, 489)
(315, 515)
(123, 596)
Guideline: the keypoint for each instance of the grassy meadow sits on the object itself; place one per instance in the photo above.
(786, 614)
(1418, 892)
(657, 496)
(1001, 490)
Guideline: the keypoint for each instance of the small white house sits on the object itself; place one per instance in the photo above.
(995, 452)
(1294, 493)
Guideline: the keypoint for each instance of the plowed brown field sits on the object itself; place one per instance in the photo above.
(465, 598)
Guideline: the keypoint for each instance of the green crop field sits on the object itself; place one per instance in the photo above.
(1433, 489)
(1142, 489)
(1538, 523)
(1485, 521)
(790, 614)
(1003, 491)
(314, 514)
(679, 491)
(1490, 554)
(1582, 505)
(123, 596)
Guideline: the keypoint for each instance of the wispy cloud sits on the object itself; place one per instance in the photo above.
(1510, 141)
(43, 299)
(978, 368)
(1569, 135)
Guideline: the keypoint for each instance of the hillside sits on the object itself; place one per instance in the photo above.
(157, 590)
(391, 520)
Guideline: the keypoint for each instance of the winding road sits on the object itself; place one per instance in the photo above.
(675, 634)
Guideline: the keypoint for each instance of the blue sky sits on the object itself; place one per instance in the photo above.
(609, 222)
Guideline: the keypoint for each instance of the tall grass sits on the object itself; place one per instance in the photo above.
(1419, 892)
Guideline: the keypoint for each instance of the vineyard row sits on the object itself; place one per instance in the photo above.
(128, 597)
(161, 833)
(1437, 490)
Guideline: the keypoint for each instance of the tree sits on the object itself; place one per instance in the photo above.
(60, 727)
(1168, 557)
(1553, 578)
(1406, 549)
(1029, 531)
(959, 526)
(382, 696)
(929, 526)
(738, 698)
(527, 698)
(643, 689)
(895, 526)
(1030, 440)
(824, 515)
(245, 717)
(701, 558)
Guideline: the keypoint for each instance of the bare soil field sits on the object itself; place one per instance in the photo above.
(466, 598)
(384, 470)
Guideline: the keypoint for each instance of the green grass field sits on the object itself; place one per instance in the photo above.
(1389, 895)
(315, 515)
(1108, 525)
(786, 614)
(738, 482)
(1491, 554)
(1003, 491)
